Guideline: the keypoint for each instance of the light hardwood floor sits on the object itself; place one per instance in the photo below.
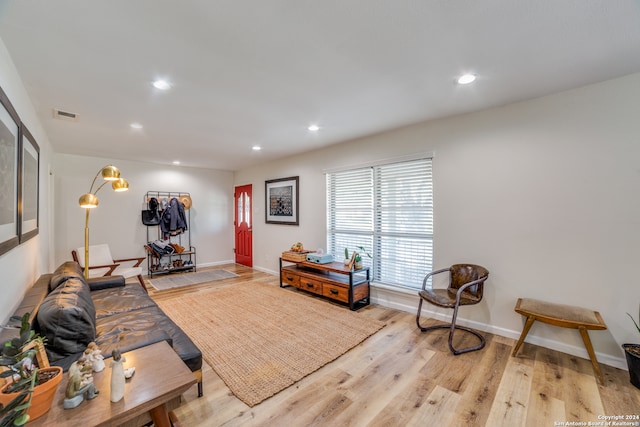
(402, 377)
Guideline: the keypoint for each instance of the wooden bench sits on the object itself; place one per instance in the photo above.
(565, 316)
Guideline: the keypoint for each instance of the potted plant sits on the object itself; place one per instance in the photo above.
(29, 390)
(632, 351)
(347, 260)
(358, 258)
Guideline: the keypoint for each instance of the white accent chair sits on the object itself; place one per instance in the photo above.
(101, 263)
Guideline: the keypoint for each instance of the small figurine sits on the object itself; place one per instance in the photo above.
(128, 372)
(86, 371)
(93, 354)
(79, 384)
(117, 376)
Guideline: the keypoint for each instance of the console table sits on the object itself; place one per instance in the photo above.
(333, 280)
(155, 389)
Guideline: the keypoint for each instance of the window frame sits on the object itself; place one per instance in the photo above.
(380, 232)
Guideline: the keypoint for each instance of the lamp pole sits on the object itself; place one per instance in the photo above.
(86, 244)
(89, 201)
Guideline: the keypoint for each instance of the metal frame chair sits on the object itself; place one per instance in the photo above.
(466, 286)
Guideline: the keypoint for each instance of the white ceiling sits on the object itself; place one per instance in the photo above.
(259, 72)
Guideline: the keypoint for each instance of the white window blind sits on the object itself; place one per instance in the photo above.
(387, 209)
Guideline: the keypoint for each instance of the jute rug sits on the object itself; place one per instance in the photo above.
(260, 338)
(187, 279)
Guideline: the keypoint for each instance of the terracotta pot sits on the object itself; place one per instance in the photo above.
(633, 362)
(42, 394)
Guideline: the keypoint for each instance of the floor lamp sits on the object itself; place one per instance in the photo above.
(89, 201)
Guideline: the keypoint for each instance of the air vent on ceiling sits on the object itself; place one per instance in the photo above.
(64, 115)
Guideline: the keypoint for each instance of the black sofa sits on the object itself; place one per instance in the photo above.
(105, 310)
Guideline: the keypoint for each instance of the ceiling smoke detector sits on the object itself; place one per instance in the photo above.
(65, 115)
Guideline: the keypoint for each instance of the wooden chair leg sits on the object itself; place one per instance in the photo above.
(592, 354)
(141, 280)
(175, 422)
(523, 335)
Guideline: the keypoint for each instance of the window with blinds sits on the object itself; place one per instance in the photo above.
(388, 210)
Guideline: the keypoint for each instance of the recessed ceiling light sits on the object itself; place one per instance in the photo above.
(161, 84)
(256, 148)
(313, 128)
(465, 79)
(176, 162)
(136, 126)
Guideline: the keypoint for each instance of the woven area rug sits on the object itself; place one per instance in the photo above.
(260, 338)
(187, 279)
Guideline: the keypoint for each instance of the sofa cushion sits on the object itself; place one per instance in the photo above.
(118, 330)
(105, 282)
(131, 340)
(120, 300)
(67, 318)
(63, 272)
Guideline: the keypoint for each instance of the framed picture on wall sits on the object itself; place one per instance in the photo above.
(28, 185)
(9, 133)
(281, 198)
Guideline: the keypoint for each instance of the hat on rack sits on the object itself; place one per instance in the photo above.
(186, 201)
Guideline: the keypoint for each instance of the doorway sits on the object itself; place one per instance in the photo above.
(243, 225)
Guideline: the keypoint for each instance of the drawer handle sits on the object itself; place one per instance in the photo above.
(309, 285)
(333, 291)
(289, 278)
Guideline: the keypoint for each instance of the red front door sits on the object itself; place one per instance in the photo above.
(243, 225)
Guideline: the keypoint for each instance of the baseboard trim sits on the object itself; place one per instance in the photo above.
(407, 301)
(266, 270)
(214, 264)
(206, 264)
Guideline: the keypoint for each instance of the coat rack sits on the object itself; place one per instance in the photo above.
(180, 255)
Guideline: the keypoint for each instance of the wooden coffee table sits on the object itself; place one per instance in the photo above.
(160, 378)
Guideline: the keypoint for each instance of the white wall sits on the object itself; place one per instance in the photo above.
(544, 193)
(117, 221)
(22, 265)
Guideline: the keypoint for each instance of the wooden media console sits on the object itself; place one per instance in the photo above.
(332, 280)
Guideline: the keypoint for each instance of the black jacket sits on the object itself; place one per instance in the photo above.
(173, 220)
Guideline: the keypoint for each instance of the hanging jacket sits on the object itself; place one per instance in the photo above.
(173, 220)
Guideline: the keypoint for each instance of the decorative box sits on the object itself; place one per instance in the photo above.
(294, 256)
(320, 259)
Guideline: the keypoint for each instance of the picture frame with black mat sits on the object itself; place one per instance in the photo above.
(9, 145)
(281, 201)
(28, 187)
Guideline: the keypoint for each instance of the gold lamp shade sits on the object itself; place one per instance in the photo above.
(110, 173)
(120, 184)
(88, 201)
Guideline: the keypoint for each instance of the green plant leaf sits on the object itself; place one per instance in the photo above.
(364, 251)
(634, 321)
(21, 420)
(7, 360)
(22, 407)
(8, 420)
(15, 402)
(11, 348)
